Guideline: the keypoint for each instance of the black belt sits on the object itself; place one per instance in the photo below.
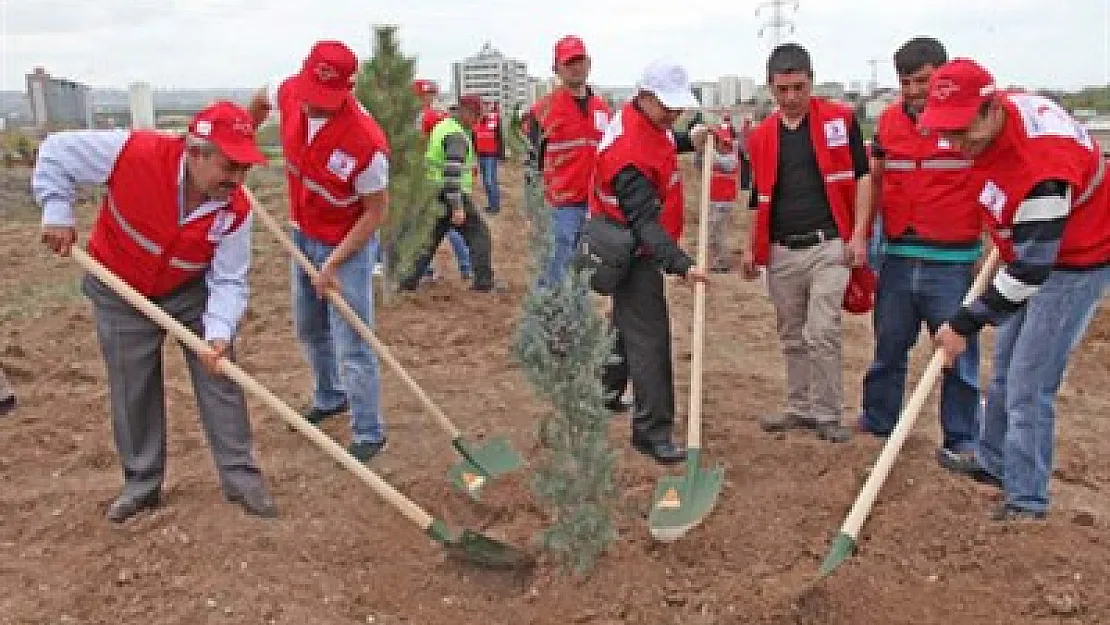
(809, 239)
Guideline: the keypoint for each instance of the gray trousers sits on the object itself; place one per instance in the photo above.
(132, 348)
(807, 288)
(642, 352)
(6, 389)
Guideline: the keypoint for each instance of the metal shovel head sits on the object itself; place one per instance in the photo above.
(482, 463)
(481, 550)
(682, 501)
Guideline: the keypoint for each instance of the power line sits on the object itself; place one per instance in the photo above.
(777, 23)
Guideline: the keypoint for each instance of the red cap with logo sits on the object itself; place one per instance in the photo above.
(569, 48)
(423, 86)
(228, 126)
(957, 90)
(327, 76)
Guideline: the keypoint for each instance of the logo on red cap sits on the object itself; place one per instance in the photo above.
(944, 88)
(326, 73)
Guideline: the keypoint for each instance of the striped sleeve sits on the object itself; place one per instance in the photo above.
(1036, 232)
(455, 147)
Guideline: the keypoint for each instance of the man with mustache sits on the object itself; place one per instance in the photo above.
(174, 225)
(337, 161)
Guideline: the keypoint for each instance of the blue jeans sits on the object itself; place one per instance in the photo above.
(1030, 356)
(487, 165)
(912, 291)
(344, 366)
(876, 245)
(566, 227)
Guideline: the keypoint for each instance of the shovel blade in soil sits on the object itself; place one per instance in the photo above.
(682, 501)
(482, 463)
(843, 546)
(481, 550)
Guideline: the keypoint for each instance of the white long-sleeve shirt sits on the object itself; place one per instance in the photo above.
(87, 157)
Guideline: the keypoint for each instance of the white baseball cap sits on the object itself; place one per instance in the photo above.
(670, 83)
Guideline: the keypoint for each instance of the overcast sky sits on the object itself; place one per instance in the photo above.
(242, 43)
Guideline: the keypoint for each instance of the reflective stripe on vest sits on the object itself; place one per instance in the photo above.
(148, 245)
(838, 176)
(763, 198)
(608, 199)
(896, 165)
(945, 164)
(316, 188)
(570, 144)
(1096, 180)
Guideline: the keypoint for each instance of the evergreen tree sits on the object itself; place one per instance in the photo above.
(562, 344)
(384, 87)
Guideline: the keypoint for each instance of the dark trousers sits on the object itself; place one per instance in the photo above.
(474, 232)
(132, 348)
(643, 352)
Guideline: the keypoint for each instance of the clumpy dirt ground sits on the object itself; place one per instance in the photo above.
(338, 555)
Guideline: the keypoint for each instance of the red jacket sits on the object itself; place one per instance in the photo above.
(570, 144)
(829, 124)
(429, 118)
(924, 184)
(632, 139)
(724, 184)
(137, 233)
(487, 136)
(322, 198)
(1039, 142)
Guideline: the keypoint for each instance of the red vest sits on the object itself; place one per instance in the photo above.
(429, 118)
(322, 198)
(924, 184)
(485, 136)
(828, 126)
(1039, 142)
(724, 184)
(571, 145)
(137, 234)
(631, 139)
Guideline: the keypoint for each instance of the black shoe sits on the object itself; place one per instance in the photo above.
(256, 501)
(618, 404)
(493, 210)
(7, 405)
(127, 506)
(1006, 512)
(833, 432)
(984, 477)
(365, 451)
(663, 452)
(316, 415)
(962, 462)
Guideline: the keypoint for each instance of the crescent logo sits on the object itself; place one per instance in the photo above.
(944, 89)
(326, 73)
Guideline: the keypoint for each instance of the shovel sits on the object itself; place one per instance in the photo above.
(479, 463)
(845, 542)
(681, 502)
(469, 546)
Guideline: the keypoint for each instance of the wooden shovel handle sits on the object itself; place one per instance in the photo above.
(693, 429)
(352, 318)
(908, 416)
(410, 510)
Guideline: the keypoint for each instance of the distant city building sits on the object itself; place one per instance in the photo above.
(57, 103)
(733, 90)
(142, 105)
(493, 76)
(706, 93)
(830, 90)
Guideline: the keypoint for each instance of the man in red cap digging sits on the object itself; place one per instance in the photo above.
(337, 161)
(176, 226)
(1041, 184)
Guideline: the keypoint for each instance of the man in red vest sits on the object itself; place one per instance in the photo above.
(337, 161)
(568, 124)
(932, 225)
(176, 226)
(490, 146)
(724, 188)
(1040, 180)
(812, 178)
(636, 182)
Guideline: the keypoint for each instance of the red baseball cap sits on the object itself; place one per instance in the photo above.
(229, 127)
(424, 86)
(327, 76)
(859, 297)
(471, 101)
(957, 90)
(569, 48)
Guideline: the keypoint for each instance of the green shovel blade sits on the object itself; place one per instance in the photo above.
(842, 547)
(480, 464)
(477, 548)
(682, 501)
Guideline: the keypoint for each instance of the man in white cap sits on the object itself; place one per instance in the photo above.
(637, 183)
